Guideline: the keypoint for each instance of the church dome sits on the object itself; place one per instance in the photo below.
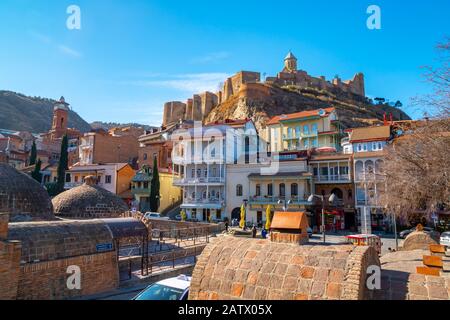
(23, 197)
(88, 201)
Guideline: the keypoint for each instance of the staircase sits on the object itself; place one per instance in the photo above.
(173, 210)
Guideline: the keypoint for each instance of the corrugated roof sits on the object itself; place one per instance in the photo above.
(370, 133)
(289, 220)
(299, 115)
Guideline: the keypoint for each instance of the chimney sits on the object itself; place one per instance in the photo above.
(289, 227)
(4, 220)
(90, 180)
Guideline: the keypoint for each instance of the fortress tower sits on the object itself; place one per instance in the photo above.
(290, 63)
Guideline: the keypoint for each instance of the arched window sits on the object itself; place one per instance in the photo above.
(239, 190)
(213, 153)
(247, 150)
(282, 190)
(359, 170)
(294, 190)
(258, 190)
(270, 189)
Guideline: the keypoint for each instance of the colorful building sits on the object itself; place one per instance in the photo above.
(304, 131)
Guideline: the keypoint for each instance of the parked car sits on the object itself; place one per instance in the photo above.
(169, 289)
(154, 215)
(445, 239)
(405, 233)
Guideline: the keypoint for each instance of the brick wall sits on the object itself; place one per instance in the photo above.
(9, 262)
(235, 268)
(48, 280)
(106, 148)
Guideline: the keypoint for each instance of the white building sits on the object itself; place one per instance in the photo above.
(204, 155)
(258, 185)
(367, 146)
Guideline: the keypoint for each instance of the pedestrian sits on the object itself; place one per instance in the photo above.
(254, 231)
(226, 226)
(264, 233)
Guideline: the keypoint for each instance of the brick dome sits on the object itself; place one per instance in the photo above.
(248, 269)
(88, 201)
(23, 197)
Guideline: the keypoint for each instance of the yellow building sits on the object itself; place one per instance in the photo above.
(141, 187)
(304, 130)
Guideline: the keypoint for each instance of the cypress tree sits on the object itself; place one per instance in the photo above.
(63, 164)
(33, 154)
(154, 190)
(36, 174)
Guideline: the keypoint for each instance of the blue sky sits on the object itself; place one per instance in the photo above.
(131, 56)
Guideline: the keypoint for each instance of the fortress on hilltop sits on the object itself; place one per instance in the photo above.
(249, 84)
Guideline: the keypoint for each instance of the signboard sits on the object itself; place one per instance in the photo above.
(104, 247)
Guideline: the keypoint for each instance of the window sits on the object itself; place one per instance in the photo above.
(145, 156)
(193, 173)
(213, 153)
(239, 190)
(294, 190)
(258, 190)
(298, 132)
(270, 189)
(359, 147)
(206, 173)
(282, 190)
(214, 172)
(145, 185)
(108, 179)
(76, 179)
(314, 128)
(306, 144)
(365, 147)
(315, 143)
(68, 177)
(306, 130)
(289, 133)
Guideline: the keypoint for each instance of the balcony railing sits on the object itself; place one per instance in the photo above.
(274, 200)
(203, 201)
(332, 178)
(198, 180)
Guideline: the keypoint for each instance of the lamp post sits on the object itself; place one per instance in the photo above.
(322, 198)
(287, 203)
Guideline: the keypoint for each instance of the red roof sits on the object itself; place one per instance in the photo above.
(300, 115)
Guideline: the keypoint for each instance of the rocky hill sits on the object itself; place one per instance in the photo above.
(264, 101)
(110, 125)
(33, 114)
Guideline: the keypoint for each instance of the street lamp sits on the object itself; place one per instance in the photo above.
(286, 204)
(322, 198)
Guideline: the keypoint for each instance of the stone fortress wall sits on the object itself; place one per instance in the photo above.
(249, 83)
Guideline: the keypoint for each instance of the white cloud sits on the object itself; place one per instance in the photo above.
(47, 40)
(192, 83)
(69, 51)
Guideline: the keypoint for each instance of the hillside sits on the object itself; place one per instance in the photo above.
(266, 101)
(33, 114)
(110, 125)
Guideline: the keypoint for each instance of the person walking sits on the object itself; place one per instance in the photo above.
(254, 231)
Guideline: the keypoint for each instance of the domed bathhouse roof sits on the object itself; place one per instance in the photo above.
(88, 201)
(23, 197)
